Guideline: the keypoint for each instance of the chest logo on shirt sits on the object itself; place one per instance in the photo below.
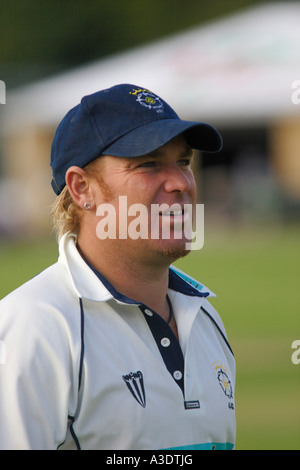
(135, 384)
(224, 380)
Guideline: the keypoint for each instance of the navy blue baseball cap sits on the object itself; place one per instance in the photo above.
(124, 121)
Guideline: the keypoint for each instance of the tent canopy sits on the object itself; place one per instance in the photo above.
(236, 71)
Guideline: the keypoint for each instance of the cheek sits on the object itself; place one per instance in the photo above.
(193, 186)
(142, 190)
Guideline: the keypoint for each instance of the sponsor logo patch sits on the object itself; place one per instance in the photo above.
(135, 384)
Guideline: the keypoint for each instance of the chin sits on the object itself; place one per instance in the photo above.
(167, 253)
(173, 254)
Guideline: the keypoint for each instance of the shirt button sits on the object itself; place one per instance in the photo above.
(165, 342)
(148, 312)
(177, 375)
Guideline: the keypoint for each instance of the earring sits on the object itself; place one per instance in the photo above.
(87, 205)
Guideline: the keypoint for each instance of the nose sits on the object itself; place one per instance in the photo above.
(178, 180)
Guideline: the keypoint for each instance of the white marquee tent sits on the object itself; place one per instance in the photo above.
(236, 70)
(242, 70)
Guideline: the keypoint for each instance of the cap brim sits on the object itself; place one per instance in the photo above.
(151, 136)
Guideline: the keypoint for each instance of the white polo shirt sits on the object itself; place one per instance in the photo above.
(84, 367)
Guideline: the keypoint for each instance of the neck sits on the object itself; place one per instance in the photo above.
(141, 281)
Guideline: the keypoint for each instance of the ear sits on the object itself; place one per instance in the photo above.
(78, 183)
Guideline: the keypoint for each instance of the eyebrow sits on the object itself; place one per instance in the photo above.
(187, 152)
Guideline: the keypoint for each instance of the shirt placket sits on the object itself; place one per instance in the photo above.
(167, 344)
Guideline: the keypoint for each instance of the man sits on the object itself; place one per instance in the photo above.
(112, 347)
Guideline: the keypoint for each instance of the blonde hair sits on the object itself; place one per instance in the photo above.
(65, 213)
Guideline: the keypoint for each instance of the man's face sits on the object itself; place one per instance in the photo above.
(162, 177)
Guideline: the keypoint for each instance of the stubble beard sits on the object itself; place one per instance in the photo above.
(174, 254)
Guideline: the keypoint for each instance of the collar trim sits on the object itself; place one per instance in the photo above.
(178, 281)
(86, 278)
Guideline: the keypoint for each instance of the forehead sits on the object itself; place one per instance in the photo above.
(177, 146)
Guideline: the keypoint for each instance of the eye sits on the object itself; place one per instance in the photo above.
(149, 164)
(185, 162)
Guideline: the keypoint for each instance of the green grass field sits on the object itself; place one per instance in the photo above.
(255, 274)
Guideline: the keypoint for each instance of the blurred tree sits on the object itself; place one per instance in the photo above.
(39, 35)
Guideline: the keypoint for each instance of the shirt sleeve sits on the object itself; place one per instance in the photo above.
(38, 375)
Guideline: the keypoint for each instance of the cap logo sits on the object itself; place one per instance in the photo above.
(147, 99)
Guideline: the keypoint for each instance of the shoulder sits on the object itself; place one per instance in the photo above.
(42, 319)
(40, 333)
(208, 310)
(43, 303)
(44, 285)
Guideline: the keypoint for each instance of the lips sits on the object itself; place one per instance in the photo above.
(175, 215)
(172, 213)
(176, 209)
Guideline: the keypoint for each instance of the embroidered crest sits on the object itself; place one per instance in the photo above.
(224, 380)
(135, 384)
(147, 99)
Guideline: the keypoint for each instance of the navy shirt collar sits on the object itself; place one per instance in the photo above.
(176, 283)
